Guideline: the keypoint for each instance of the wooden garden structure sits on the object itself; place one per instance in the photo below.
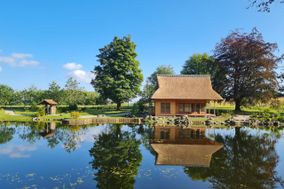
(49, 106)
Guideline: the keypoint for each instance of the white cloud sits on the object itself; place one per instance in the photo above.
(0, 69)
(24, 63)
(21, 55)
(72, 66)
(76, 71)
(82, 75)
(18, 60)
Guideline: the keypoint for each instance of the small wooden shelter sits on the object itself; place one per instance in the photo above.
(183, 147)
(50, 106)
(183, 95)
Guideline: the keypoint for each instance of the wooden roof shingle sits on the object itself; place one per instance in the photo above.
(48, 101)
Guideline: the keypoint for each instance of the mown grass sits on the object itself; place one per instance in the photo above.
(19, 117)
(24, 114)
(226, 107)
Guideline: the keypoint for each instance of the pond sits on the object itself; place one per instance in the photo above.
(122, 156)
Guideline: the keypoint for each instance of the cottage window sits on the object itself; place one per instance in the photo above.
(165, 108)
(187, 108)
(184, 108)
(198, 108)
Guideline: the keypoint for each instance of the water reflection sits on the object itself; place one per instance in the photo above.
(116, 158)
(17, 150)
(246, 161)
(68, 136)
(6, 134)
(48, 130)
(110, 156)
(183, 146)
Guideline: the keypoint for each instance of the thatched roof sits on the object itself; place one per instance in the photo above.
(197, 87)
(48, 101)
(184, 154)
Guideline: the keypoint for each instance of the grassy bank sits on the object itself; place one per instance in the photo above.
(227, 107)
(222, 110)
(25, 114)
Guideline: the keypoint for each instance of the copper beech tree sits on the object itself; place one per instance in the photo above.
(245, 68)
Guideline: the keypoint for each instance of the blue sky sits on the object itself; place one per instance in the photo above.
(41, 41)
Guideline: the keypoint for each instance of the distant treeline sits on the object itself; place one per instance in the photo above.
(71, 93)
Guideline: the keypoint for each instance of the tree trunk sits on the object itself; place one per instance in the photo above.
(237, 105)
(118, 106)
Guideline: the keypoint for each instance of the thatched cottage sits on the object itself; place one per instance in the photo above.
(183, 95)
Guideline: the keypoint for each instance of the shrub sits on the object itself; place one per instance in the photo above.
(40, 112)
(75, 115)
(275, 103)
(73, 107)
(138, 108)
(62, 109)
(267, 116)
(34, 107)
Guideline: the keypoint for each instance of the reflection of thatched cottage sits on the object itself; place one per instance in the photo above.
(183, 95)
(49, 105)
(185, 147)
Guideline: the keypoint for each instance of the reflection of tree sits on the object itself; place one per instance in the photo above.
(116, 159)
(31, 133)
(246, 161)
(145, 133)
(6, 134)
(63, 134)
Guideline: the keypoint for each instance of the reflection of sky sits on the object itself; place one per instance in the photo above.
(92, 133)
(17, 150)
(230, 131)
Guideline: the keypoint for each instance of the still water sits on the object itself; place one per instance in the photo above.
(121, 156)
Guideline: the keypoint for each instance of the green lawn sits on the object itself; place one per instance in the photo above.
(25, 115)
(229, 108)
(19, 117)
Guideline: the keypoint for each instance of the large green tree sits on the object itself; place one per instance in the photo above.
(118, 77)
(91, 98)
(152, 84)
(54, 92)
(198, 64)
(6, 95)
(31, 95)
(73, 93)
(246, 68)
